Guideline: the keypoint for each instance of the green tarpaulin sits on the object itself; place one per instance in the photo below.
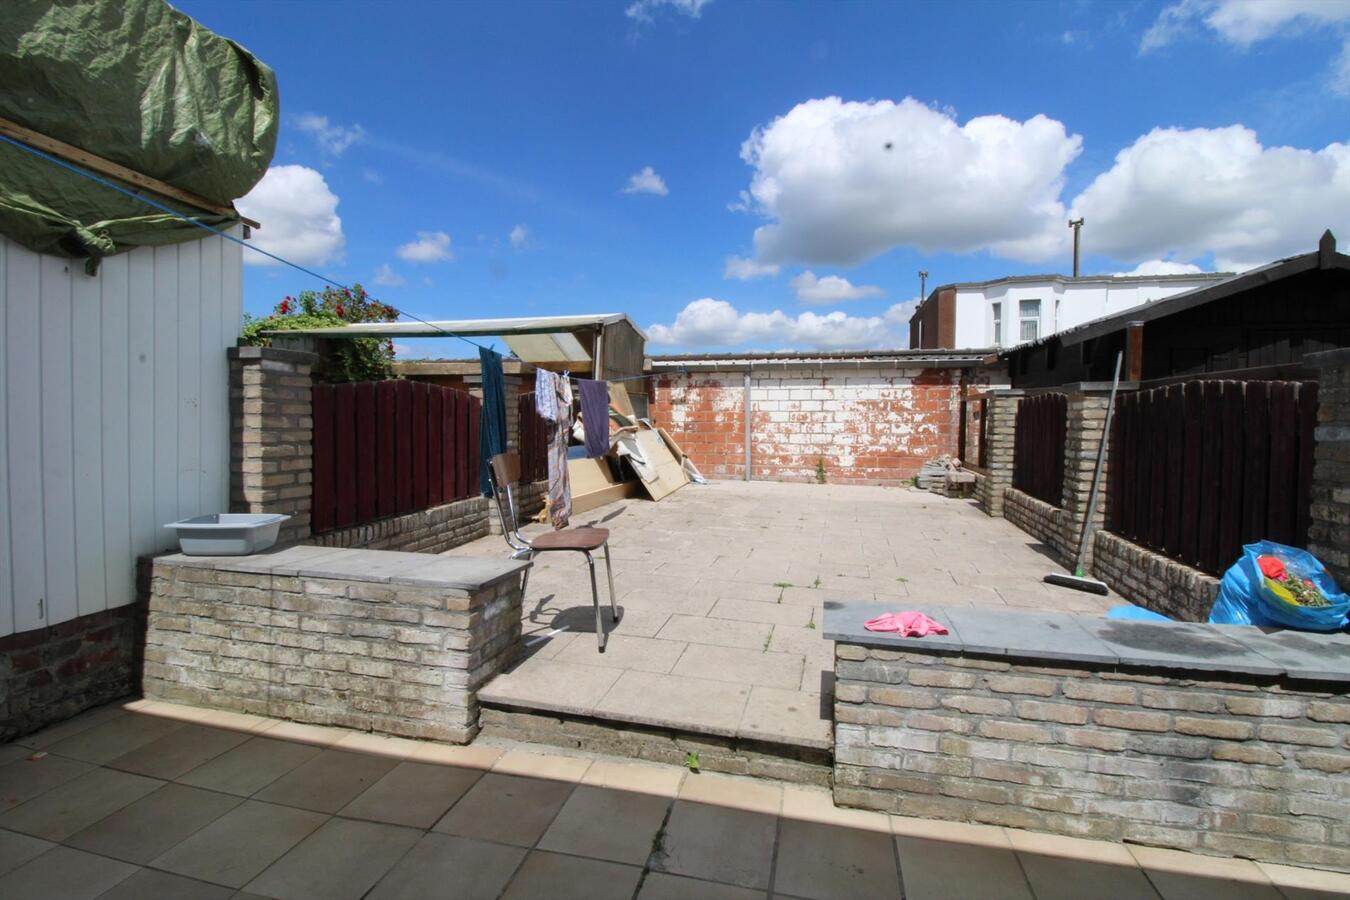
(138, 83)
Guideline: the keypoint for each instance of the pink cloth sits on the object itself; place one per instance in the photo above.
(908, 624)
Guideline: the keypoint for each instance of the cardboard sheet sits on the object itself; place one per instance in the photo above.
(670, 475)
(593, 485)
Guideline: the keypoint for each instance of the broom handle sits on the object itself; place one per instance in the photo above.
(1097, 473)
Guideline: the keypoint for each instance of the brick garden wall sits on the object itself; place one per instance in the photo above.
(1329, 530)
(1039, 519)
(1254, 768)
(867, 426)
(1151, 580)
(437, 529)
(394, 659)
(54, 673)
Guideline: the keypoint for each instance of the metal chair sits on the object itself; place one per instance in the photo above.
(504, 472)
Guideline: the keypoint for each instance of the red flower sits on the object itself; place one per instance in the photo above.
(340, 311)
(284, 306)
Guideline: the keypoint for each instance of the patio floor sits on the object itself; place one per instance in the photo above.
(721, 590)
(149, 800)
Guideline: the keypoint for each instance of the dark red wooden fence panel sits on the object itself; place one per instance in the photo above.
(1200, 468)
(533, 441)
(1038, 447)
(323, 502)
(390, 447)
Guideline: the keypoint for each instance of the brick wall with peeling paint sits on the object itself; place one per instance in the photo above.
(867, 426)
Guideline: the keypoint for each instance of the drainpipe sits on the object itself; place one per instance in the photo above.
(747, 423)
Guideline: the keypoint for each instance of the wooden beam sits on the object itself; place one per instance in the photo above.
(1134, 351)
(73, 154)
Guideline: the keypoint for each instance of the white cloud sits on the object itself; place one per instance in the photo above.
(899, 313)
(1243, 23)
(716, 323)
(520, 236)
(372, 176)
(430, 246)
(845, 181)
(298, 214)
(646, 182)
(402, 350)
(742, 269)
(1162, 267)
(386, 276)
(742, 203)
(333, 140)
(830, 289)
(1186, 193)
(645, 10)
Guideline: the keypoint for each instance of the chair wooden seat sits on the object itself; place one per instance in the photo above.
(503, 472)
(583, 537)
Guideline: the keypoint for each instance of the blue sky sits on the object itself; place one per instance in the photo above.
(1195, 135)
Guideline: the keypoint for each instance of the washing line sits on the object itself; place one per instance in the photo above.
(71, 167)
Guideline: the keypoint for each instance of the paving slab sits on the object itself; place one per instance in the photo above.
(695, 704)
(752, 667)
(556, 686)
(749, 567)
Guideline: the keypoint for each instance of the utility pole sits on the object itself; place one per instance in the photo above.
(923, 285)
(1076, 225)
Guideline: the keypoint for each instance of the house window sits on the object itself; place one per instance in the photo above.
(1029, 314)
(998, 324)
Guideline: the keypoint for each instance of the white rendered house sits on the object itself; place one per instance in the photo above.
(1010, 311)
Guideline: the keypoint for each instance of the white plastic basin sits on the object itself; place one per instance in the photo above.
(227, 534)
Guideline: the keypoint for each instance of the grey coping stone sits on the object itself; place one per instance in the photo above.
(463, 572)
(1057, 637)
(378, 566)
(277, 560)
(1029, 633)
(1179, 645)
(844, 622)
(1315, 657)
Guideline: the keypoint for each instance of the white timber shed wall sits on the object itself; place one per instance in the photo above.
(114, 417)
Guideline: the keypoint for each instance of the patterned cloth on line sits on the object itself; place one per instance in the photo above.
(546, 394)
(559, 483)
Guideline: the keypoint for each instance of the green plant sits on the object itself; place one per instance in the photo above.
(782, 584)
(820, 470)
(340, 359)
(691, 761)
(816, 583)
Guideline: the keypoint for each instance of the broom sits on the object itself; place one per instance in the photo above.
(1079, 581)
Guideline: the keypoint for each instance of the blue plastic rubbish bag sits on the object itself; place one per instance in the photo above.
(1135, 614)
(1244, 598)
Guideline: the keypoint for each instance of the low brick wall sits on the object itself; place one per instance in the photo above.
(432, 530)
(437, 529)
(1226, 764)
(51, 674)
(1046, 523)
(1151, 580)
(395, 643)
